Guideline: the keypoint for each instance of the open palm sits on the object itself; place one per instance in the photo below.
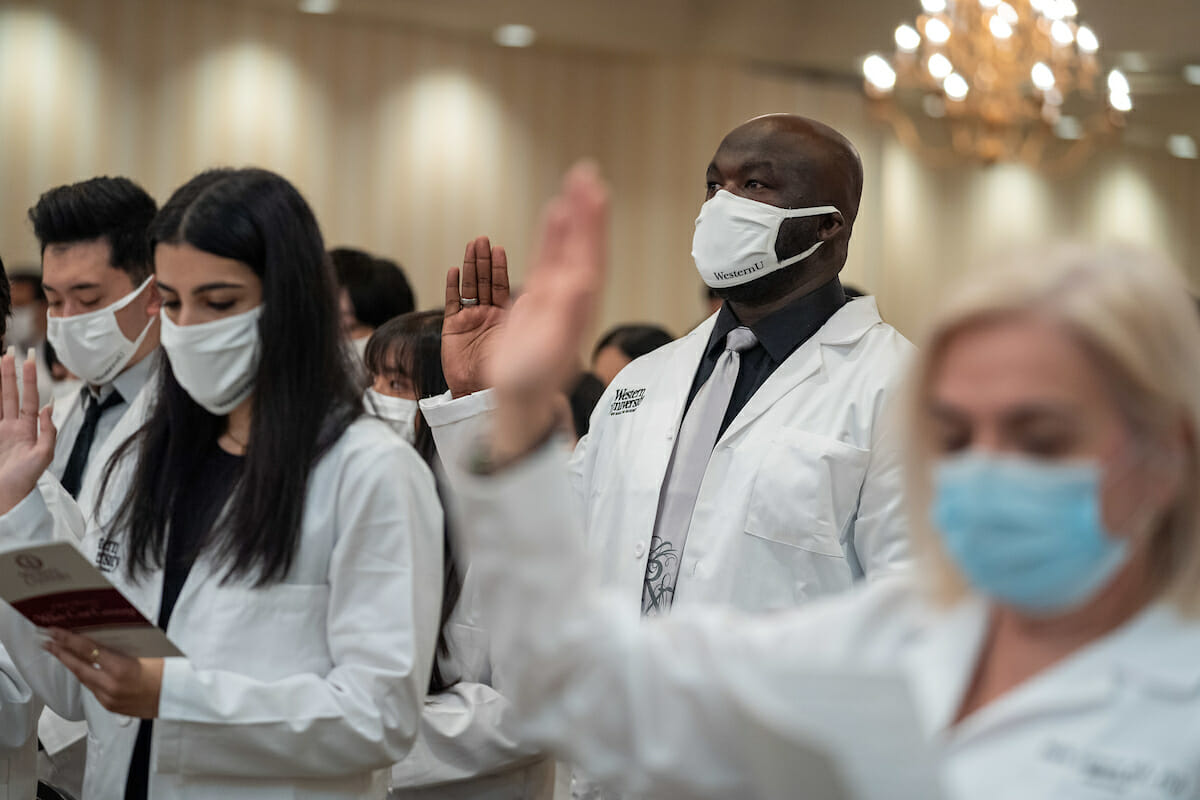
(474, 315)
(24, 454)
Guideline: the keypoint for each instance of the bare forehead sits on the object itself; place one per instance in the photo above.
(781, 148)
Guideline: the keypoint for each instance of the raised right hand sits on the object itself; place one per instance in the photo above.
(469, 329)
(24, 454)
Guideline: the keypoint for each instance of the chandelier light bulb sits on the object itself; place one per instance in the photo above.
(955, 86)
(1121, 102)
(1067, 8)
(1061, 33)
(933, 6)
(937, 31)
(1117, 82)
(989, 3)
(1039, 6)
(999, 28)
(940, 66)
(1008, 13)
(1086, 39)
(879, 72)
(1043, 76)
(907, 38)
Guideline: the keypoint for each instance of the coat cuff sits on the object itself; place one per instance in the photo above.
(447, 410)
(28, 522)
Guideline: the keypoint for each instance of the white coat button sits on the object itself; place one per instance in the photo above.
(638, 549)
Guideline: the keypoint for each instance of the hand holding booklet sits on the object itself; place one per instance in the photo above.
(54, 586)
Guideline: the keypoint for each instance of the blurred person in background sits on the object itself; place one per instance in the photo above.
(466, 747)
(1049, 631)
(27, 326)
(371, 291)
(624, 343)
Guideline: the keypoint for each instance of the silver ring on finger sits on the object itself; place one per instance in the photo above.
(469, 301)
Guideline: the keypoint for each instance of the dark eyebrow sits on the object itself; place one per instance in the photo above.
(749, 166)
(207, 287)
(76, 287)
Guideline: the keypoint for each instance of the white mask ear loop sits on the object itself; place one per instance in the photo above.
(800, 213)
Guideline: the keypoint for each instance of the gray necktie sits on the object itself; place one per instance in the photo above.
(685, 473)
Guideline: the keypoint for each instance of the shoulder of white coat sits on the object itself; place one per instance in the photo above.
(370, 445)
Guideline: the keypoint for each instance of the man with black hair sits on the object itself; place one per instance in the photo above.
(97, 273)
(103, 322)
(18, 709)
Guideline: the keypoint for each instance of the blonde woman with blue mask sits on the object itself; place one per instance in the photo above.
(1050, 636)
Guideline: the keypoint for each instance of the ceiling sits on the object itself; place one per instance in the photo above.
(1151, 39)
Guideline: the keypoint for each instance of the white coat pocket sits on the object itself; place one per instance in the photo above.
(270, 632)
(806, 489)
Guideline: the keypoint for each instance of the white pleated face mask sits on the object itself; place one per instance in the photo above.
(215, 362)
(398, 412)
(734, 242)
(91, 345)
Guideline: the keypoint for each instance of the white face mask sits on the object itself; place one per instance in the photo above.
(398, 412)
(215, 362)
(91, 345)
(735, 238)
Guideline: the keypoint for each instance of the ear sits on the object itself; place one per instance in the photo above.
(153, 299)
(830, 226)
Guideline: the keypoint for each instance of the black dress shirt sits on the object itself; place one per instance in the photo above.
(779, 335)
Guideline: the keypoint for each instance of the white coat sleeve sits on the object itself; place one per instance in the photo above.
(384, 596)
(44, 515)
(687, 705)
(456, 424)
(467, 731)
(18, 709)
(880, 535)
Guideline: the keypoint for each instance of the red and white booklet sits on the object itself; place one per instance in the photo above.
(55, 586)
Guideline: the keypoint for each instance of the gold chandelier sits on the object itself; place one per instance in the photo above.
(996, 80)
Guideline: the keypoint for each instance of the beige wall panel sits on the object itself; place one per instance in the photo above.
(409, 143)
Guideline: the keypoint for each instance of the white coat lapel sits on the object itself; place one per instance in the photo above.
(847, 326)
(674, 380)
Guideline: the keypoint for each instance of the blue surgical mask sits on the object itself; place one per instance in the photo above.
(1025, 533)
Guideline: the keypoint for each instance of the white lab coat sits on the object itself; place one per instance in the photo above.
(687, 705)
(468, 747)
(56, 734)
(302, 689)
(19, 708)
(18, 734)
(802, 494)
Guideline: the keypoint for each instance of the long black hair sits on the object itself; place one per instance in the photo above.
(304, 392)
(412, 344)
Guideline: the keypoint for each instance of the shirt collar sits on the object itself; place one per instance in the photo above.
(129, 382)
(786, 329)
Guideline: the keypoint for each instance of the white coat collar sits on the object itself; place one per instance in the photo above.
(1157, 648)
(846, 327)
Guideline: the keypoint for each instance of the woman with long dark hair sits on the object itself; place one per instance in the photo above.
(289, 546)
